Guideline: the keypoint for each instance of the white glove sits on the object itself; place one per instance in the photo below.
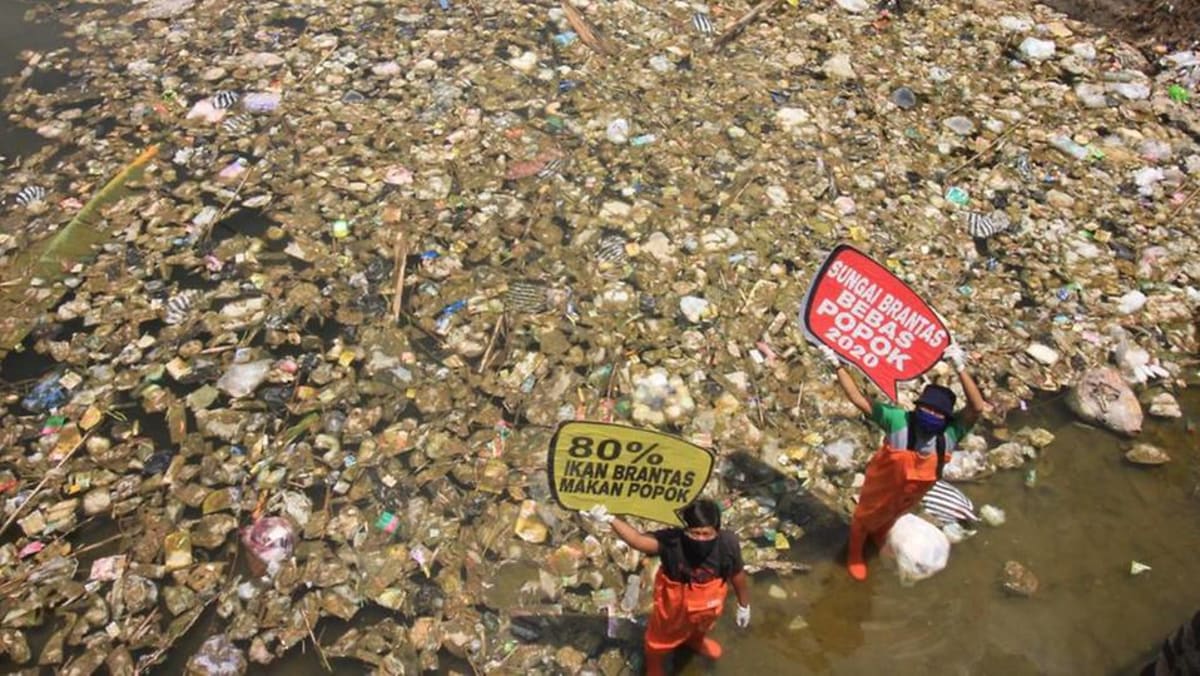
(599, 514)
(956, 356)
(743, 616)
(829, 355)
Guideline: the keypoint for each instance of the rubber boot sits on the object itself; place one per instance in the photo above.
(854, 553)
(705, 646)
(654, 661)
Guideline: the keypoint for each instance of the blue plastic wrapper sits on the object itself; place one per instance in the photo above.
(46, 395)
(453, 307)
(158, 462)
(443, 321)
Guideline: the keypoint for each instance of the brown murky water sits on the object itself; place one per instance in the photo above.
(15, 35)
(1088, 517)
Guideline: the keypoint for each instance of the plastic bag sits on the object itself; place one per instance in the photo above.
(921, 549)
(270, 542)
(217, 656)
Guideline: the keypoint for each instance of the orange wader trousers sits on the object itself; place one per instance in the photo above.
(896, 480)
(683, 613)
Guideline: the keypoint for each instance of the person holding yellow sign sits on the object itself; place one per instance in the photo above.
(698, 562)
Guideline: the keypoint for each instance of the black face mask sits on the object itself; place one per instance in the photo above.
(696, 551)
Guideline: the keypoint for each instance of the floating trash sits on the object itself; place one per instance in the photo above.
(270, 542)
(552, 168)
(261, 102)
(404, 292)
(1024, 167)
(179, 307)
(648, 305)
(30, 194)
(703, 24)
(526, 296)
(611, 249)
(225, 99)
(947, 504)
(982, 226)
(992, 516)
(241, 124)
(46, 395)
(956, 195)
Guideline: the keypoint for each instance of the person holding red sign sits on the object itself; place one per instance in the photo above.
(697, 562)
(916, 446)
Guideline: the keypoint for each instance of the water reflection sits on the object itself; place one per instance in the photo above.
(1089, 515)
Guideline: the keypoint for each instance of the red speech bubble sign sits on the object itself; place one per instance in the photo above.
(872, 319)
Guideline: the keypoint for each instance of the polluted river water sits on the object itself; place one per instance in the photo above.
(1078, 524)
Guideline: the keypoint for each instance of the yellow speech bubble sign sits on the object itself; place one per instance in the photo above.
(631, 471)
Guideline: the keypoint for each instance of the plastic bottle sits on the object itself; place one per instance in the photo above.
(633, 592)
(1069, 147)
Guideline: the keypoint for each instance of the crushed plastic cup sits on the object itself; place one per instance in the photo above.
(956, 195)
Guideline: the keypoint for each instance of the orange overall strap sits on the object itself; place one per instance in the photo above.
(682, 609)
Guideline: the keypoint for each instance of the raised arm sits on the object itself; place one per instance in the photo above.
(976, 404)
(846, 380)
(850, 387)
(635, 538)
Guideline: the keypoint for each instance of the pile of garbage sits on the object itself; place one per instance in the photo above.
(382, 250)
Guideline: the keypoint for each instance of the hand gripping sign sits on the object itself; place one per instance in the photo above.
(629, 470)
(872, 319)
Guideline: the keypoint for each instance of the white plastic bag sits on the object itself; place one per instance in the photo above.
(921, 548)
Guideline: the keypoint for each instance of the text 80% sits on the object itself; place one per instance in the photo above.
(611, 449)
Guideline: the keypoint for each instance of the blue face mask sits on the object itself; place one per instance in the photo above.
(929, 423)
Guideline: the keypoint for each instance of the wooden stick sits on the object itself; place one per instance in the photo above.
(475, 9)
(491, 343)
(152, 658)
(995, 142)
(312, 71)
(228, 203)
(1185, 202)
(740, 25)
(583, 29)
(316, 643)
(143, 627)
(96, 545)
(401, 266)
(613, 374)
(41, 484)
(757, 394)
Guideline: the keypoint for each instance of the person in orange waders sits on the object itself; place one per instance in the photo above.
(916, 446)
(698, 563)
